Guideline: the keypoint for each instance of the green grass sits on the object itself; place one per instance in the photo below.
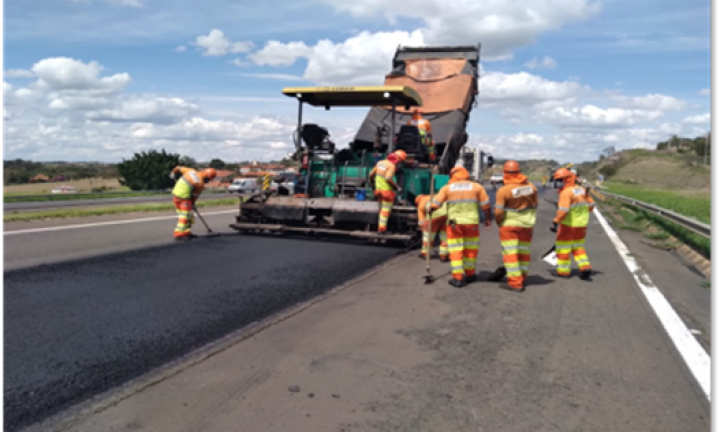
(71, 197)
(695, 205)
(143, 208)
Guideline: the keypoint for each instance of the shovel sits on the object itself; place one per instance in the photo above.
(428, 210)
(210, 232)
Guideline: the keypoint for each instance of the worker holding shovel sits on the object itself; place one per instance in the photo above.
(185, 193)
(432, 226)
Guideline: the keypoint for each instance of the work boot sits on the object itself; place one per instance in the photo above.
(505, 286)
(192, 236)
(585, 275)
(555, 274)
(444, 258)
(457, 283)
(498, 274)
(182, 239)
(422, 256)
(471, 278)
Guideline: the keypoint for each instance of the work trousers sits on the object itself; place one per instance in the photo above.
(435, 228)
(463, 242)
(571, 240)
(516, 243)
(183, 207)
(386, 200)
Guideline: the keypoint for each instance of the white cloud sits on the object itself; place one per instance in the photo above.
(704, 92)
(525, 88)
(593, 116)
(216, 44)
(501, 26)
(275, 53)
(546, 63)
(66, 74)
(133, 3)
(19, 73)
(181, 48)
(281, 77)
(652, 102)
(698, 119)
(365, 58)
(239, 63)
(147, 110)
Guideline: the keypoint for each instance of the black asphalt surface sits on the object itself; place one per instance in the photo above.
(74, 329)
(98, 202)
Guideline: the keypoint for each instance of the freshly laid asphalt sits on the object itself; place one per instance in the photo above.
(76, 328)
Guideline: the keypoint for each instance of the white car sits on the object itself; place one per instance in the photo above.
(244, 186)
(496, 178)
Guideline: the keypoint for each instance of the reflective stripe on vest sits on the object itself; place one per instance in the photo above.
(380, 182)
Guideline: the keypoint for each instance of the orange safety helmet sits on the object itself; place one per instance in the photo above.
(511, 167)
(209, 173)
(458, 169)
(562, 173)
(401, 155)
(417, 114)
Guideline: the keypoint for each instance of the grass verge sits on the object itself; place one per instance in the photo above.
(141, 208)
(71, 197)
(695, 205)
(664, 233)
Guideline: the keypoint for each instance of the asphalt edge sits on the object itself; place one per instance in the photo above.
(695, 358)
(77, 413)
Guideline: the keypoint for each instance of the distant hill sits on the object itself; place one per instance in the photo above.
(661, 169)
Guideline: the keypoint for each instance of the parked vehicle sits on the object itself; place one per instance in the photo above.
(244, 186)
(496, 179)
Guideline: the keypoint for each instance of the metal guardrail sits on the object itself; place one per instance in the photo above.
(684, 221)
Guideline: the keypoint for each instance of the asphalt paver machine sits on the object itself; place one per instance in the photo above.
(333, 196)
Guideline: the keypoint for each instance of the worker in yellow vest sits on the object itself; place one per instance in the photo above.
(386, 189)
(425, 129)
(185, 193)
(573, 215)
(433, 226)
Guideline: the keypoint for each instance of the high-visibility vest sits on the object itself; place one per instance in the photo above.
(464, 199)
(577, 204)
(384, 171)
(190, 185)
(519, 202)
(424, 208)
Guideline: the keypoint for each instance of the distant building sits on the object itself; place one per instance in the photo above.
(40, 179)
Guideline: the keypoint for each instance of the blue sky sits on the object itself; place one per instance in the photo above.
(101, 79)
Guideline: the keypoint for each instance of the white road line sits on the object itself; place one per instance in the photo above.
(697, 360)
(97, 224)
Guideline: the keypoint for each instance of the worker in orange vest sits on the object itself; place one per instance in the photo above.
(185, 193)
(515, 213)
(425, 132)
(431, 227)
(573, 215)
(386, 189)
(463, 198)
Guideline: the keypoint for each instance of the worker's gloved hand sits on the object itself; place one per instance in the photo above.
(554, 227)
(487, 223)
(424, 225)
(172, 175)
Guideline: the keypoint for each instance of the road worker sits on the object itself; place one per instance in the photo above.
(386, 189)
(573, 215)
(425, 129)
(515, 213)
(431, 227)
(463, 198)
(185, 193)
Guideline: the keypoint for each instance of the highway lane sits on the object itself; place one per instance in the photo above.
(98, 202)
(92, 303)
(75, 328)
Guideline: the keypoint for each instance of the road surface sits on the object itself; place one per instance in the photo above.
(563, 356)
(80, 327)
(99, 202)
